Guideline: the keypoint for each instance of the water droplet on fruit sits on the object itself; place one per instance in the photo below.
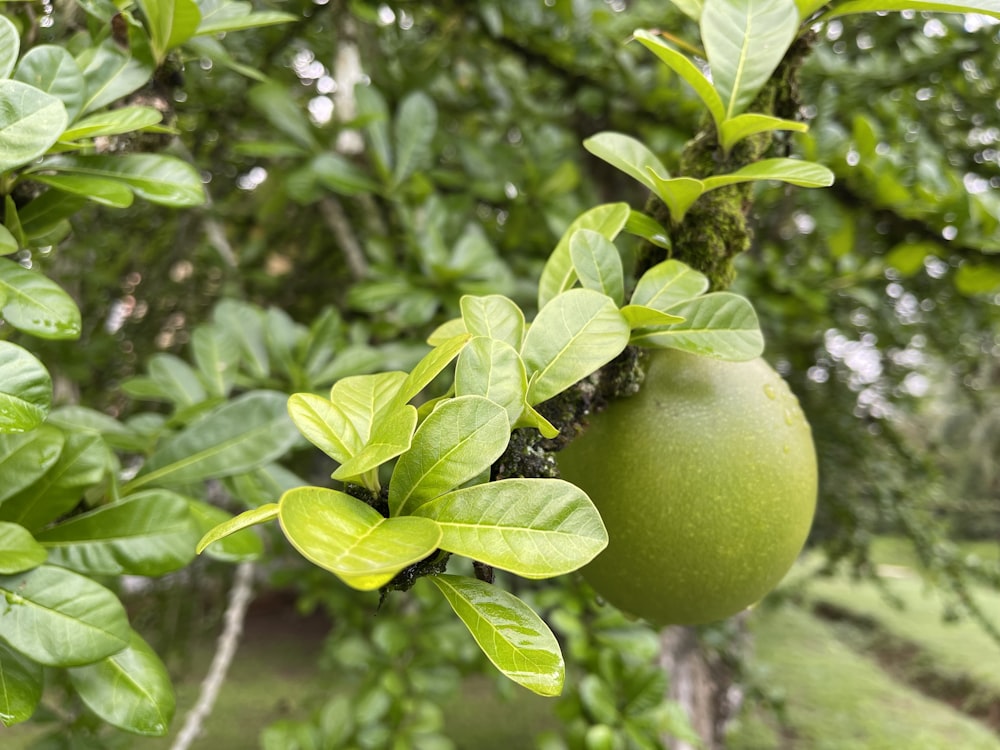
(770, 392)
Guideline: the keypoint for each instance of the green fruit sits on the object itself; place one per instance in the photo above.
(706, 481)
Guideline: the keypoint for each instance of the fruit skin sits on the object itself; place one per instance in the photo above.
(707, 483)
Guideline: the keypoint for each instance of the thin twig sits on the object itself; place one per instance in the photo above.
(239, 599)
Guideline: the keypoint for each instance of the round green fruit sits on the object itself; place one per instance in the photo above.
(707, 483)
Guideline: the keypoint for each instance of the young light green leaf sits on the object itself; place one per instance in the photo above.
(101, 190)
(719, 324)
(325, 425)
(415, 125)
(508, 631)
(558, 274)
(535, 528)
(18, 552)
(237, 544)
(60, 618)
(531, 418)
(668, 283)
(30, 122)
(985, 7)
(431, 366)
(147, 534)
(629, 155)
(8, 242)
(10, 45)
(25, 457)
(177, 379)
(745, 41)
(113, 122)
(52, 69)
(392, 434)
(447, 330)
(598, 264)
(111, 74)
(457, 442)
(645, 226)
(573, 335)
(493, 368)
(244, 520)
(493, 316)
(793, 171)
(169, 23)
(743, 126)
(352, 540)
(23, 680)
(25, 389)
(690, 8)
(223, 16)
(160, 179)
(362, 397)
(688, 71)
(243, 433)
(678, 194)
(35, 304)
(130, 690)
(641, 316)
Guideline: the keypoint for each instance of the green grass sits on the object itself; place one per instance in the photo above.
(836, 699)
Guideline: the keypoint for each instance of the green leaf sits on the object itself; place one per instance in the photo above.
(217, 356)
(392, 435)
(690, 8)
(352, 540)
(18, 552)
(248, 431)
(101, 190)
(686, 69)
(558, 274)
(169, 23)
(745, 40)
(493, 368)
(743, 126)
(678, 194)
(53, 70)
(667, 284)
(640, 316)
(8, 242)
(75, 418)
(976, 278)
(244, 324)
(238, 543)
(325, 425)
(494, 316)
(340, 175)
(597, 264)
(719, 324)
(10, 45)
(535, 528)
(26, 456)
(645, 226)
(47, 215)
(430, 366)
(414, 128)
(274, 101)
(575, 334)
(35, 304)
(113, 122)
(31, 121)
(458, 441)
(176, 379)
(359, 399)
(222, 16)
(629, 155)
(986, 7)
(60, 618)
(164, 180)
(22, 681)
(509, 632)
(110, 74)
(130, 690)
(793, 171)
(147, 534)
(25, 389)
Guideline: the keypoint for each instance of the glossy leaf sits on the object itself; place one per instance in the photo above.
(243, 433)
(30, 122)
(22, 681)
(535, 528)
(25, 389)
(573, 335)
(668, 283)
(35, 304)
(10, 45)
(325, 425)
(793, 171)
(53, 70)
(985, 7)
(457, 442)
(493, 316)
(415, 125)
(26, 456)
(18, 552)
(60, 618)
(165, 180)
(227, 537)
(130, 690)
(743, 126)
(113, 122)
(645, 226)
(678, 194)
(745, 40)
(688, 71)
(493, 368)
(597, 264)
(640, 316)
(391, 436)
(170, 23)
(558, 274)
(508, 631)
(628, 154)
(352, 540)
(47, 215)
(360, 399)
(430, 366)
(222, 16)
(111, 74)
(719, 324)
(147, 534)
(100, 190)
